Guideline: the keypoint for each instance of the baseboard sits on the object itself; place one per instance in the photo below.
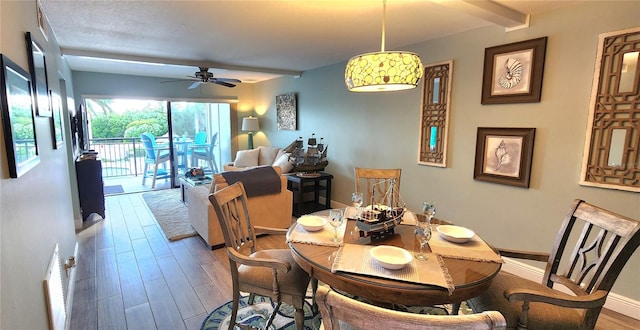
(615, 302)
(71, 288)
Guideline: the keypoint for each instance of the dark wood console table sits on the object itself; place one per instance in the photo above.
(301, 184)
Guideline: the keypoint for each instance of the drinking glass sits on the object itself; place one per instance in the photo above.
(423, 234)
(335, 220)
(429, 210)
(356, 199)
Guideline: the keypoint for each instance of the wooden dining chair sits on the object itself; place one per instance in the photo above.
(269, 272)
(374, 183)
(604, 241)
(340, 311)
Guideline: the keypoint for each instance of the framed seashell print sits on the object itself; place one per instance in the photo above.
(513, 72)
(504, 155)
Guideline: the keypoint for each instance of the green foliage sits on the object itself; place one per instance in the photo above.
(115, 125)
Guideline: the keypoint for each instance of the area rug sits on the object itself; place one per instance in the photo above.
(110, 190)
(256, 316)
(170, 213)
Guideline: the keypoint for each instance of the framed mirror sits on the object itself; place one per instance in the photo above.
(611, 156)
(434, 115)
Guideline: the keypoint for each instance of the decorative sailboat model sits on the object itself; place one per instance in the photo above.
(379, 219)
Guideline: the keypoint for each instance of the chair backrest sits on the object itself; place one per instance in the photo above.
(200, 138)
(604, 241)
(336, 308)
(214, 140)
(230, 204)
(374, 183)
(149, 142)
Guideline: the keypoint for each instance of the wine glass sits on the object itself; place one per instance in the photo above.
(335, 220)
(423, 234)
(356, 199)
(429, 210)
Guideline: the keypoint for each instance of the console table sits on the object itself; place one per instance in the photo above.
(307, 184)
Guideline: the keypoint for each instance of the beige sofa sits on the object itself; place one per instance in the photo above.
(260, 156)
(269, 210)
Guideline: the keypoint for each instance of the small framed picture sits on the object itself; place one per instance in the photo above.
(38, 69)
(287, 111)
(513, 72)
(503, 155)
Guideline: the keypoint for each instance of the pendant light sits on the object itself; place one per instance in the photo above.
(383, 71)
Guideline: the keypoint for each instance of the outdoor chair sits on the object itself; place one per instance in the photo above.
(270, 272)
(604, 241)
(154, 156)
(338, 310)
(204, 151)
(375, 183)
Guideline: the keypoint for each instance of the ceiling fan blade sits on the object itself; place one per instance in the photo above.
(223, 83)
(231, 80)
(176, 80)
(194, 85)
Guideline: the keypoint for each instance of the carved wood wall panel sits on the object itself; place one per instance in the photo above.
(434, 115)
(612, 149)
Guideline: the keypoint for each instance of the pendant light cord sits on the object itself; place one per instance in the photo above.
(384, 21)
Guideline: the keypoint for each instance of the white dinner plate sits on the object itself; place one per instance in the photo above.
(391, 257)
(312, 222)
(455, 234)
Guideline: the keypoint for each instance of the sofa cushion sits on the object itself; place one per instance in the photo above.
(247, 158)
(267, 155)
(283, 162)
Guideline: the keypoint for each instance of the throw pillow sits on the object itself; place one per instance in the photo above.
(284, 163)
(246, 158)
(267, 155)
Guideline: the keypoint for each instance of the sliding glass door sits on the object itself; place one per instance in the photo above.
(201, 136)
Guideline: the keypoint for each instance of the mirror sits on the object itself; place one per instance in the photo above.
(611, 156)
(434, 115)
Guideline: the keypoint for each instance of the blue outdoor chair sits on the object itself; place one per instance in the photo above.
(204, 152)
(155, 156)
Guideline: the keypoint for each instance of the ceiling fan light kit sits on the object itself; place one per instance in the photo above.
(383, 71)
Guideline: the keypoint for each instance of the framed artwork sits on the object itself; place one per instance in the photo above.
(38, 69)
(287, 112)
(434, 114)
(42, 20)
(18, 119)
(56, 120)
(503, 155)
(513, 72)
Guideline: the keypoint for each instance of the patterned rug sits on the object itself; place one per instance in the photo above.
(255, 316)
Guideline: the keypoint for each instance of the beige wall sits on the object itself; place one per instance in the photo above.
(381, 130)
(35, 209)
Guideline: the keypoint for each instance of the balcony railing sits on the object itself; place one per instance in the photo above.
(121, 156)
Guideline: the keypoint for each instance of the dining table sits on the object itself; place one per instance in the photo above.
(465, 275)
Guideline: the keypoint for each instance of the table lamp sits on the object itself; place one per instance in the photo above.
(250, 124)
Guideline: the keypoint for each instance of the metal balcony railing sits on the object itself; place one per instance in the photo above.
(121, 156)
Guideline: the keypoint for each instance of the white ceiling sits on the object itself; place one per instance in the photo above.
(259, 39)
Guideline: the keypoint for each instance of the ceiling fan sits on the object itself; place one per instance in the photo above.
(204, 76)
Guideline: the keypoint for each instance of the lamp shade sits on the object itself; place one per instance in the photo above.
(250, 124)
(383, 71)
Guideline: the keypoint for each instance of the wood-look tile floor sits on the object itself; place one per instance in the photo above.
(129, 276)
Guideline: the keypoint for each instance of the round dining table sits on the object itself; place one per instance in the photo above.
(469, 277)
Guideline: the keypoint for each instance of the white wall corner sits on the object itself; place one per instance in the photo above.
(519, 27)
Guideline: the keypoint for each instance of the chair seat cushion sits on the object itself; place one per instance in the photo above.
(540, 316)
(294, 282)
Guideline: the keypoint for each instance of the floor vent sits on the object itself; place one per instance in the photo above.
(54, 294)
